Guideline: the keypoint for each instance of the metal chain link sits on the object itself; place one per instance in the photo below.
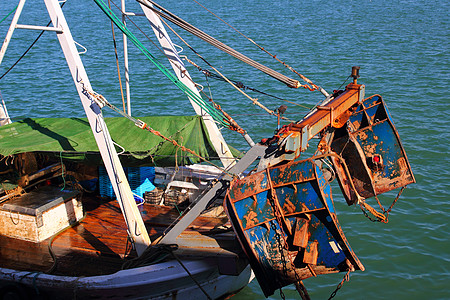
(346, 278)
(281, 247)
(380, 217)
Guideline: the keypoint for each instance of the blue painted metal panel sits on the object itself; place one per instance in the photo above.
(295, 190)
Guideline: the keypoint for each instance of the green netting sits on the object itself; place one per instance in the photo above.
(72, 139)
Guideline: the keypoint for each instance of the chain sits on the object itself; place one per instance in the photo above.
(284, 246)
(280, 248)
(380, 217)
(278, 236)
(346, 278)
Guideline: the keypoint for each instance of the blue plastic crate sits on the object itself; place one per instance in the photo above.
(104, 185)
(136, 178)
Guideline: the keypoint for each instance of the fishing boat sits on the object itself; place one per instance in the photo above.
(171, 223)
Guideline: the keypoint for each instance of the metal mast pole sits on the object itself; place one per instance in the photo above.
(11, 29)
(125, 59)
(133, 219)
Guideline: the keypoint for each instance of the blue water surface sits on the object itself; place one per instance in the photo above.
(402, 48)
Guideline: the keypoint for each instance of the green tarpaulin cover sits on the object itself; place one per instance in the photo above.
(72, 138)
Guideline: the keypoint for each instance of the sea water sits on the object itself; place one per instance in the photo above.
(402, 48)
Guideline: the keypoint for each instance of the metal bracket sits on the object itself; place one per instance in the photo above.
(171, 237)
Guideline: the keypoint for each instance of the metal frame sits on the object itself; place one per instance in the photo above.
(216, 190)
(133, 219)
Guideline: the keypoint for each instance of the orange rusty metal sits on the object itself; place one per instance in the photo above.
(332, 113)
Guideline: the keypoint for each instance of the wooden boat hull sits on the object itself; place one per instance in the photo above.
(285, 221)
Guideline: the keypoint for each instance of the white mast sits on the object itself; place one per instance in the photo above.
(133, 219)
(125, 52)
(11, 29)
(135, 224)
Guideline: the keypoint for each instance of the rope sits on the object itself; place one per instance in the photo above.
(201, 57)
(310, 86)
(14, 9)
(214, 42)
(152, 255)
(157, 253)
(237, 87)
(240, 85)
(198, 100)
(190, 275)
(139, 123)
(232, 124)
(62, 171)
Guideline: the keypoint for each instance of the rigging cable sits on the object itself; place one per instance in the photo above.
(254, 100)
(233, 125)
(230, 122)
(214, 42)
(240, 85)
(29, 48)
(236, 84)
(210, 109)
(310, 85)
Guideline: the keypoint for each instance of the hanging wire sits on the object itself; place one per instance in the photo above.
(216, 43)
(254, 100)
(232, 123)
(29, 48)
(311, 87)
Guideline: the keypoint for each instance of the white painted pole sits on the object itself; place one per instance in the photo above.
(11, 29)
(125, 58)
(130, 211)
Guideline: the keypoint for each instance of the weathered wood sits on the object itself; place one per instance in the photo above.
(39, 214)
(98, 245)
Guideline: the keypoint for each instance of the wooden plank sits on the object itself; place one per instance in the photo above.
(311, 253)
(97, 246)
(301, 233)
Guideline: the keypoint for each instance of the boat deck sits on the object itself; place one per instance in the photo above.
(100, 240)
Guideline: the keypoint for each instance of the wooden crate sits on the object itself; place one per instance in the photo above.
(40, 214)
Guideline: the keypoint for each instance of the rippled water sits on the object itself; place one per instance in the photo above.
(403, 50)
